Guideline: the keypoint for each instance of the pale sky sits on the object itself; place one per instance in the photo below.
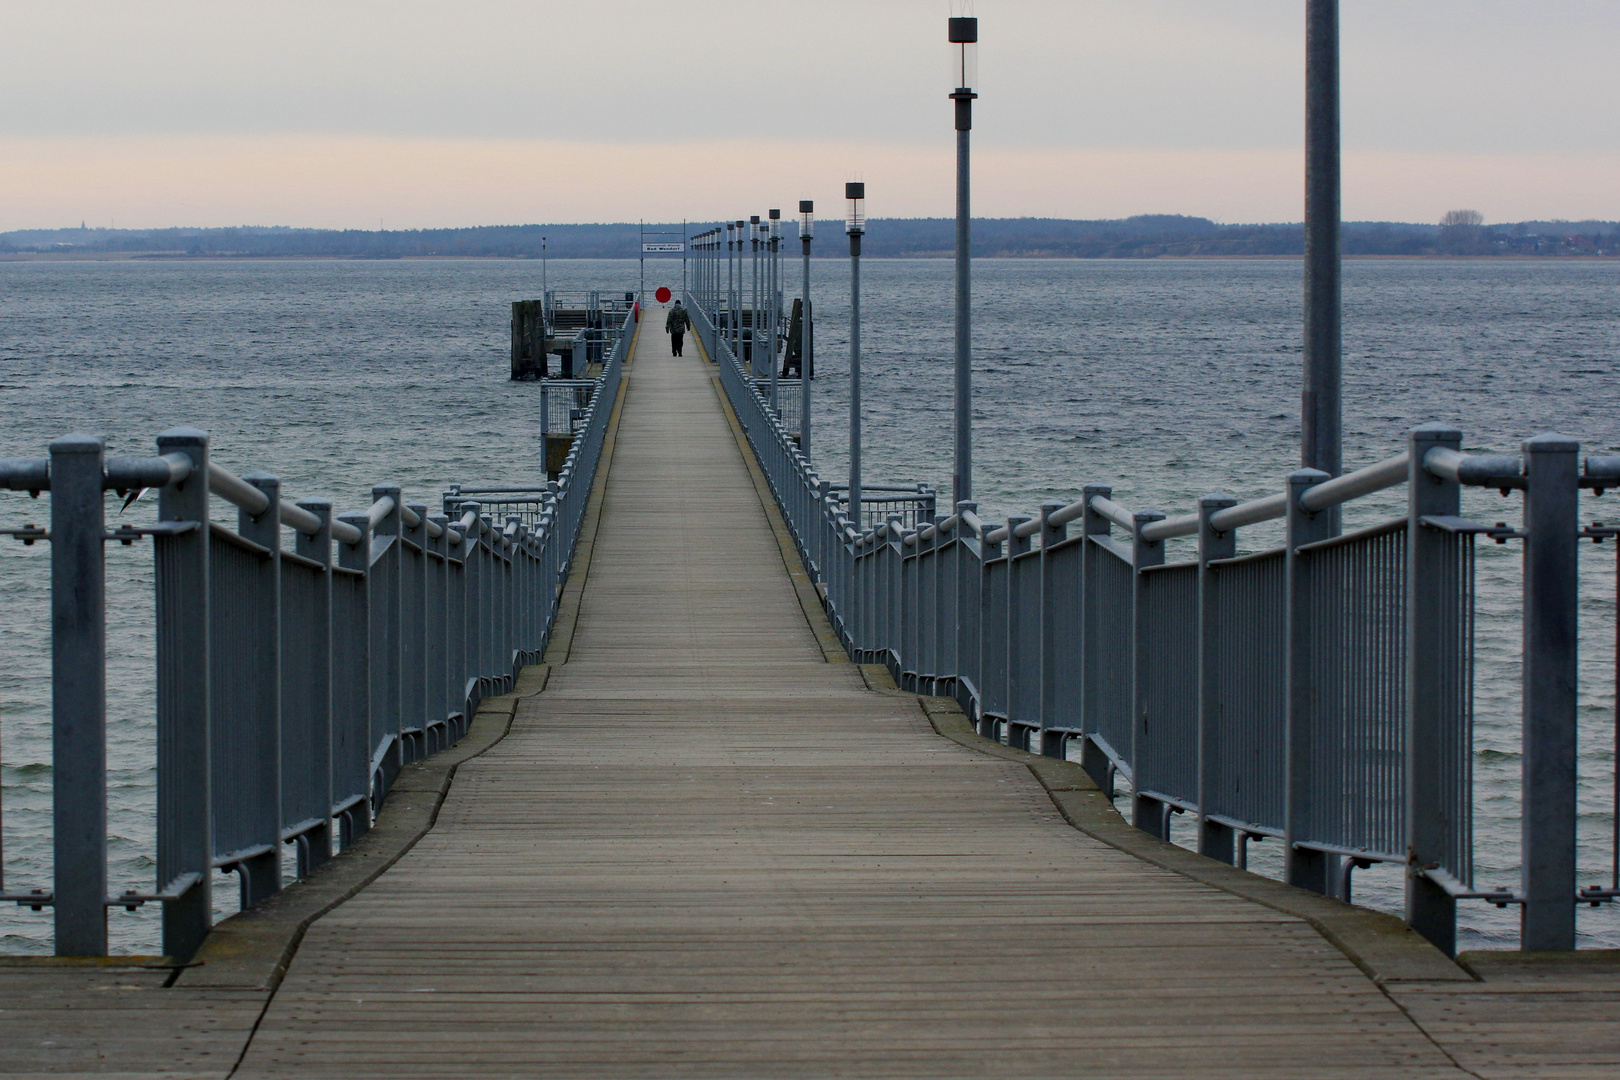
(351, 113)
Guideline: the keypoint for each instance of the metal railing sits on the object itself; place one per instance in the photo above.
(292, 682)
(1320, 692)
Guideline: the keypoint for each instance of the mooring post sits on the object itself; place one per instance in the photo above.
(1214, 838)
(79, 694)
(1307, 868)
(1551, 602)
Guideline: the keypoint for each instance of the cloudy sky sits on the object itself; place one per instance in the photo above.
(351, 113)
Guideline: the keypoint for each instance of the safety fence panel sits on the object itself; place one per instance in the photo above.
(1109, 637)
(1166, 746)
(1357, 719)
(1248, 723)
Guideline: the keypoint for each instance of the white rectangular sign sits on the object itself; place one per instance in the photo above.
(680, 246)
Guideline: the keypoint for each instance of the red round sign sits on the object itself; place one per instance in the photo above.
(663, 294)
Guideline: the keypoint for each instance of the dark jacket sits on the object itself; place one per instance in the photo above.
(677, 321)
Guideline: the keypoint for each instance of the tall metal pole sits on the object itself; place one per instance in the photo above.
(731, 286)
(855, 192)
(753, 296)
(964, 33)
(1320, 411)
(770, 304)
(806, 230)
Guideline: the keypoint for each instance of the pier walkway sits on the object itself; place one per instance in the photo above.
(709, 848)
(707, 851)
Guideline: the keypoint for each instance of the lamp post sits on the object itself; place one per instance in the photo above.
(964, 35)
(1320, 433)
(753, 296)
(770, 305)
(736, 297)
(855, 227)
(807, 228)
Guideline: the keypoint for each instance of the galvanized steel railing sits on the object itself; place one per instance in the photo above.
(293, 683)
(1320, 692)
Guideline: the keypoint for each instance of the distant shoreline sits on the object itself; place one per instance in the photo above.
(180, 256)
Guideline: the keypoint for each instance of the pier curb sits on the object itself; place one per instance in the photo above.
(1381, 945)
(252, 949)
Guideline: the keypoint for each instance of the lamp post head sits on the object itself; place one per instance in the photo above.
(807, 219)
(855, 192)
(964, 39)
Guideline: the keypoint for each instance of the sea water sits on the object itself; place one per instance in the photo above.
(1166, 379)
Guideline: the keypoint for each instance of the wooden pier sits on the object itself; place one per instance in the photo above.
(711, 847)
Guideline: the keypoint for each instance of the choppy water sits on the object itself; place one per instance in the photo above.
(1167, 379)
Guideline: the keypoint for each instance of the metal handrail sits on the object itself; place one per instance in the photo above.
(331, 665)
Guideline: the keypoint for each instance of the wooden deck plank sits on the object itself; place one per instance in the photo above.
(704, 851)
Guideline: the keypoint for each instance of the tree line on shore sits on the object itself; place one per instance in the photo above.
(1460, 233)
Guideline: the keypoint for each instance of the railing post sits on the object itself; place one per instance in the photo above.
(185, 820)
(1053, 743)
(383, 601)
(894, 598)
(474, 609)
(987, 552)
(1430, 608)
(261, 875)
(1551, 596)
(357, 727)
(317, 845)
(1092, 759)
(1147, 814)
(965, 563)
(439, 631)
(1214, 839)
(1017, 639)
(79, 694)
(1304, 867)
(413, 681)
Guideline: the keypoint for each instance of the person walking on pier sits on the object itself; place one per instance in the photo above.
(675, 326)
